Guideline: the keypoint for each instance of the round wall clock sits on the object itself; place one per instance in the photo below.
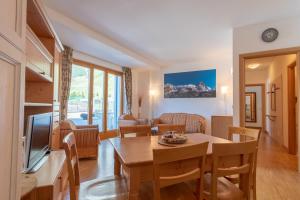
(269, 35)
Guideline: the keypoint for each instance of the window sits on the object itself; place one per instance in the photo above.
(113, 101)
(98, 98)
(95, 96)
(78, 104)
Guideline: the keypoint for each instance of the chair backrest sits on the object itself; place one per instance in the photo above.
(69, 144)
(163, 128)
(254, 133)
(245, 134)
(230, 159)
(232, 130)
(162, 175)
(139, 130)
(220, 125)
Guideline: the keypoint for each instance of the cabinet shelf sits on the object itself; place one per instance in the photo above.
(30, 104)
(34, 76)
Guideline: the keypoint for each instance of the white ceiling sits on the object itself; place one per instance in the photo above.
(264, 63)
(162, 32)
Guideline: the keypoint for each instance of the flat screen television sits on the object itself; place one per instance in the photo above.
(38, 132)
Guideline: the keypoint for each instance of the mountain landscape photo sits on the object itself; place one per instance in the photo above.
(194, 84)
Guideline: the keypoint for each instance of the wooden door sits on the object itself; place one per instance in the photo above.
(275, 119)
(10, 132)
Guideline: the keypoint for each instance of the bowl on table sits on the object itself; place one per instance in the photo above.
(173, 138)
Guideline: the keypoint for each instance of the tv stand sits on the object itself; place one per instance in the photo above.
(51, 178)
(38, 165)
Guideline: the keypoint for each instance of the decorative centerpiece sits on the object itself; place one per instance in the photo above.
(173, 138)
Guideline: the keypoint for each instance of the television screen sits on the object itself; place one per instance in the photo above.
(38, 134)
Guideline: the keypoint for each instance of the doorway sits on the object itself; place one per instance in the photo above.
(280, 94)
(255, 103)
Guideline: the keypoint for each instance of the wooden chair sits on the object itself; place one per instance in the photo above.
(245, 134)
(163, 128)
(215, 185)
(138, 130)
(219, 126)
(163, 157)
(94, 189)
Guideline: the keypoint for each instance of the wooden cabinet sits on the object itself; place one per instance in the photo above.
(51, 178)
(12, 83)
(13, 22)
(8, 135)
(13, 61)
(38, 57)
(43, 50)
(12, 65)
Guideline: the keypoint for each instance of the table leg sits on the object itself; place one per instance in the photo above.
(134, 183)
(117, 165)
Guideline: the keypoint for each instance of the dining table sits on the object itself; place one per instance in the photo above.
(135, 157)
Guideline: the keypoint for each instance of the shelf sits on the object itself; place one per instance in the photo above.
(30, 104)
(38, 45)
(40, 22)
(34, 76)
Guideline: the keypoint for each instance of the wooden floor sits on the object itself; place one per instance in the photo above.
(277, 177)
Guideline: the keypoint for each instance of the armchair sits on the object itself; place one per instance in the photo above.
(87, 138)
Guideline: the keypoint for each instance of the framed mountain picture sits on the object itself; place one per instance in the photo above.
(194, 84)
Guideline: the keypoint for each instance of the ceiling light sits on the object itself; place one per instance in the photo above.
(253, 66)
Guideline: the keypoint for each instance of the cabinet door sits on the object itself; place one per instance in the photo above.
(13, 21)
(10, 134)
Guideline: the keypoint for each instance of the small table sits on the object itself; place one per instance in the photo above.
(136, 158)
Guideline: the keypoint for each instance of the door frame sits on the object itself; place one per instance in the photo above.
(291, 83)
(261, 54)
(263, 102)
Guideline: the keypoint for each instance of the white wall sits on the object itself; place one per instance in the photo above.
(247, 39)
(255, 77)
(257, 90)
(202, 106)
(141, 87)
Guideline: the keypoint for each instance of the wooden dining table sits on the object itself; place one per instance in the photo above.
(135, 156)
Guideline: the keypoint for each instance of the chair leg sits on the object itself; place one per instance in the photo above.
(254, 191)
(156, 192)
(197, 193)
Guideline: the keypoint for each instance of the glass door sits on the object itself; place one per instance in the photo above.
(98, 98)
(78, 104)
(113, 100)
(95, 96)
